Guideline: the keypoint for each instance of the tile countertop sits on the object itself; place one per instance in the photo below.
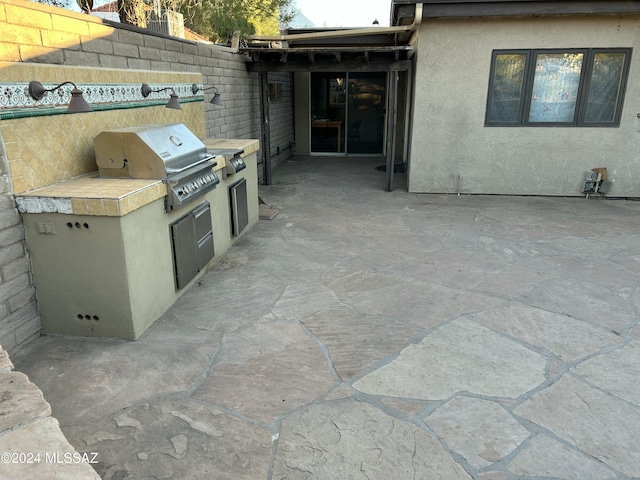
(247, 144)
(113, 197)
(92, 195)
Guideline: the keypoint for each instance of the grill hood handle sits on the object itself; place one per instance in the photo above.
(191, 165)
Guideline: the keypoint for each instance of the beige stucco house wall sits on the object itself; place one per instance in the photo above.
(451, 148)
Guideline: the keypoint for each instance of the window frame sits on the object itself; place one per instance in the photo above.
(584, 84)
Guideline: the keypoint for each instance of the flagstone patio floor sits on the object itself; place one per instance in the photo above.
(364, 334)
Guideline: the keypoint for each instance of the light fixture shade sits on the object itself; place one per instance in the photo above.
(78, 103)
(216, 100)
(173, 102)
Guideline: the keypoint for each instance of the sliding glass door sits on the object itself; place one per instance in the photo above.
(348, 113)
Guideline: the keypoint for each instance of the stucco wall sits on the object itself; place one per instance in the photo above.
(449, 137)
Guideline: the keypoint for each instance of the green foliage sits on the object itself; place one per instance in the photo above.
(218, 19)
(214, 19)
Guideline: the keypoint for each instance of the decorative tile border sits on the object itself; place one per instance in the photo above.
(15, 101)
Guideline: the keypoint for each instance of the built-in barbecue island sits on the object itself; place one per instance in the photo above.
(113, 249)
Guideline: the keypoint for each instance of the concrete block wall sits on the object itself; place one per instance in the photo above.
(281, 120)
(36, 33)
(19, 320)
(32, 32)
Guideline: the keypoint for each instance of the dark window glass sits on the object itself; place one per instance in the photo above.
(557, 87)
(508, 85)
(605, 87)
(275, 92)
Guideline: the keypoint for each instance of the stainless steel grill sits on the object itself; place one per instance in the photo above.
(233, 161)
(171, 153)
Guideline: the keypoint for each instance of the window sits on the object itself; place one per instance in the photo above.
(275, 92)
(581, 87)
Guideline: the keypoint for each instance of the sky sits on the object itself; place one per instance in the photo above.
(329, 13)
(345, 13)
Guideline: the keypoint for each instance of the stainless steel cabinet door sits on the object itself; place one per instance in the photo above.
(192, 239)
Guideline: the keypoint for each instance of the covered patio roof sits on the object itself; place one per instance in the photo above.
(377, 49)
(359, 49)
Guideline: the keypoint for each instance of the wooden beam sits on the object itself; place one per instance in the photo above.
(392, 121)
(265, 133)
(324, 66)
(352, 32)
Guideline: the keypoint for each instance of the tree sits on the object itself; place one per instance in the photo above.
(132, 12)
(85, 5)
(214, 19)
(218, 19)
(55, 3)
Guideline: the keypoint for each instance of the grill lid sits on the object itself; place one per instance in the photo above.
(148, 151)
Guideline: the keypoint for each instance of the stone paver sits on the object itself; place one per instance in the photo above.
(544, 456)
(177, 439)
(111, 375)
(615, 372)
(354, 440)
(596, 422)
(491, 433)
(265, 371)
(363, 334)
(462, 356)
(378, 338)
(561, 335)
(422, 304)
(592, 303)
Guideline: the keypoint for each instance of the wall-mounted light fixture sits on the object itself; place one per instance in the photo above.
(76, 104)
(173, 101)
(216, 99)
